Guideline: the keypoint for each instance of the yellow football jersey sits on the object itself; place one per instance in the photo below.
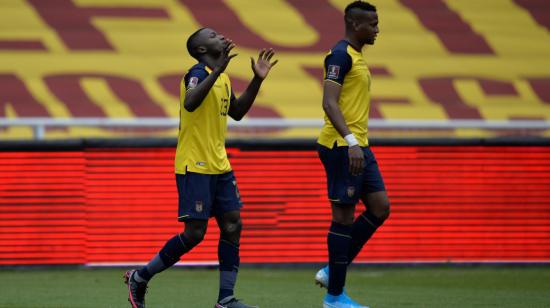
(347, 67)
(201, 140)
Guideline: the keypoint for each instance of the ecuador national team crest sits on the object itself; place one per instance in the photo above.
(198, 206)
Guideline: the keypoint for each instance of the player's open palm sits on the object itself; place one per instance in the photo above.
(226, 56)
(263, 65)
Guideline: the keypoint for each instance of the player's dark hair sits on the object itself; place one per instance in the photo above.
(192, 44)
(362, 5)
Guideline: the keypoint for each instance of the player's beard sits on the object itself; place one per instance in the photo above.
(218, 51)
(371, 40)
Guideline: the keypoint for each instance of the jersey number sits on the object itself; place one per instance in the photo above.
(225, 107)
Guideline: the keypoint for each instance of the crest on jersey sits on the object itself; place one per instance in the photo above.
(333, 72)
(351, 191)
(193, 82)
(198, 206)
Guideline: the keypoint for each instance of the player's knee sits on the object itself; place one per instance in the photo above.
(343, 213)
(384, 211)
(195, 234)
(232, 228)
(385, 215)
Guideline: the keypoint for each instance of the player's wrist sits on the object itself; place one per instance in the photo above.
(257, 77)
(351, 140)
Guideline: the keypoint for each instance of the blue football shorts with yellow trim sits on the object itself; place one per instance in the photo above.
(202, 196)
(343, 187)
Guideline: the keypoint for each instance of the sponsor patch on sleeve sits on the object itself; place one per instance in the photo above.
(193, 81)
(333, 72)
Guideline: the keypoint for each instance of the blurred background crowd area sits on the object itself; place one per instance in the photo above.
(435, 61)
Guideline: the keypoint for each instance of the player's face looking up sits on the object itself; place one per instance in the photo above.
(211, 42)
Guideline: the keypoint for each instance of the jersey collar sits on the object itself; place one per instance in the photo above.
(352, 47)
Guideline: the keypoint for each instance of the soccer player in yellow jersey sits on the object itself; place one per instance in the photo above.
(205, 181)
(352, 171)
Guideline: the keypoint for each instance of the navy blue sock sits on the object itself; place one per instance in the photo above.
(228, 256)
(362, 230)
(338, 239)
(167, 256)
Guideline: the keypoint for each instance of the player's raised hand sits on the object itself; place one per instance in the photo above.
(226, 57)
(263, 65)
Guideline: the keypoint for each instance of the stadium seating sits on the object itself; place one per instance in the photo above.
(434, 59)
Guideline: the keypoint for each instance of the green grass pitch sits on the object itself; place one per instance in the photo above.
(442, 287)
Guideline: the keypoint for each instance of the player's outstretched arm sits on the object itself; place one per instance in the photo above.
(240, 106)
(195, 95)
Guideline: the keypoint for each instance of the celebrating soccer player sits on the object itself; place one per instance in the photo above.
(205, 181)
(352, 171)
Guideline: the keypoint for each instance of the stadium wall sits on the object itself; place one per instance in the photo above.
(114, 202)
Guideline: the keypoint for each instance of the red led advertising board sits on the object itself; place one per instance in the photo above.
(115, 206)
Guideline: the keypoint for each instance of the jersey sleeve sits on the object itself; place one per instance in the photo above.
(337, 65)
(194, 77)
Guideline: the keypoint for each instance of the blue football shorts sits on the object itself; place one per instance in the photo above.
(202, 196)
(343, 187)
